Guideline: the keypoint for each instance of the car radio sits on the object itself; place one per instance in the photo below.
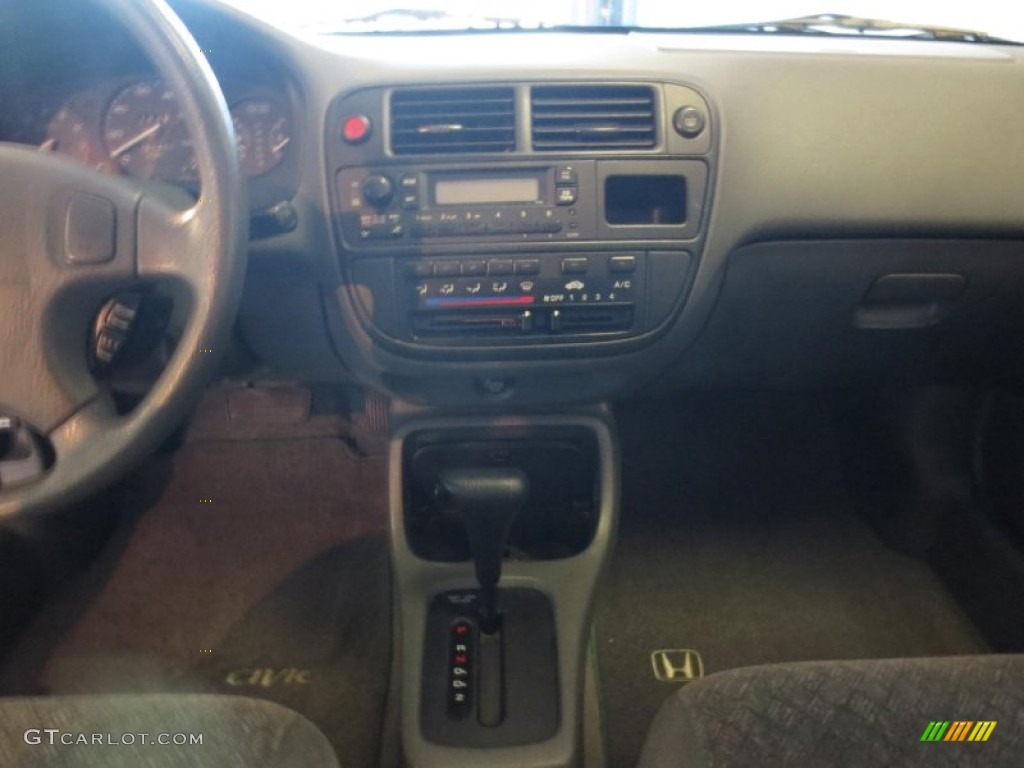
(396, 203)
(403, 206)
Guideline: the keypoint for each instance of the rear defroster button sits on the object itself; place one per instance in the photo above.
(622, 264)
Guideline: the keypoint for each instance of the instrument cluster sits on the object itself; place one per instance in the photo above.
(135, 127)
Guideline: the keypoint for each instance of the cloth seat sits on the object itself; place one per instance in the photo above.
(237, 732)
(844, 713)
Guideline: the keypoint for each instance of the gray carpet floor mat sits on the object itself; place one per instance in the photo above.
(254, 567)
(739, 540)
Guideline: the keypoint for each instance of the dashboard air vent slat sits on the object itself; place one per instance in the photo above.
(448, 120)
(567, 117)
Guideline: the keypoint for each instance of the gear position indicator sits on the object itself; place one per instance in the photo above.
(461, 668)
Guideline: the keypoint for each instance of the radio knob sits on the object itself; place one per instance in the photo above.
(378, 190)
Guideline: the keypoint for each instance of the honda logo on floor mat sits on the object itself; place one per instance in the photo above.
(677, 665)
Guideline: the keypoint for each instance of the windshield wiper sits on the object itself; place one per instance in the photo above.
(837, 24)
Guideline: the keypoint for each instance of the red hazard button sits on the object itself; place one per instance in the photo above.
(356, 129)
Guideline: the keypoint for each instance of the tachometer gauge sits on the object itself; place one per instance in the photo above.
(263, 133)
(71, 133)
(146, 135)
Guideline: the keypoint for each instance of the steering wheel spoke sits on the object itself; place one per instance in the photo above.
(168, 244)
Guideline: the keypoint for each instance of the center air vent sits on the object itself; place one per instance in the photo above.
(449, 120)
(568, 117)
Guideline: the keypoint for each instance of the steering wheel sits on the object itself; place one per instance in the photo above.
(71, 237)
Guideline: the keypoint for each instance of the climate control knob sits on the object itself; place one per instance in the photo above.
(378, 190)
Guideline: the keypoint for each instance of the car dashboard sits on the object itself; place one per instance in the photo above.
(552, 348)
(540, 218)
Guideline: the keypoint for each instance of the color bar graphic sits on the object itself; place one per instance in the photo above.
(982, 730)
(958, 730)
(935, 730)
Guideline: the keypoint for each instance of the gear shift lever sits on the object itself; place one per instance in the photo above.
(487, 500)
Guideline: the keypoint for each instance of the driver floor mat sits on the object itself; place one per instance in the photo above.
(251, 567)
(739, 540)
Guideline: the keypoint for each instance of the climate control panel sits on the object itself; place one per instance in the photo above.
(545, 294)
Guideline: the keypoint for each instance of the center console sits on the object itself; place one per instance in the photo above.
(505, 247)
(521, 512)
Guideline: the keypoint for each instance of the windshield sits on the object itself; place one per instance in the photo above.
(995, 18)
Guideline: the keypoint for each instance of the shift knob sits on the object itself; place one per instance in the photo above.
(487, 500)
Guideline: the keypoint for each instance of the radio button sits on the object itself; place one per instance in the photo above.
(550, 226)
(424, 226)
(446, 268)
(472, 228)
(471, 268)
(378, 190)
(409, 181)
(410, 202)
(500, 267)
(565, 195)
(577, 265)
(527, 267)
(565, 174)
(382, 232)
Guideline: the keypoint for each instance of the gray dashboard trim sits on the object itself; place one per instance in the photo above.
(815, 140)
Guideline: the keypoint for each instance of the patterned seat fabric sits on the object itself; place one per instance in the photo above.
(847, 713)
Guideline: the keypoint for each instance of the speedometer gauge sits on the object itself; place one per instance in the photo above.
(146, 135)
(263, 134)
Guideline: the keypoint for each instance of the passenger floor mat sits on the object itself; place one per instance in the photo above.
(738, 540)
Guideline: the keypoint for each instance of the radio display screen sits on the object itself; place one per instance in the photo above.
(488, 190)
